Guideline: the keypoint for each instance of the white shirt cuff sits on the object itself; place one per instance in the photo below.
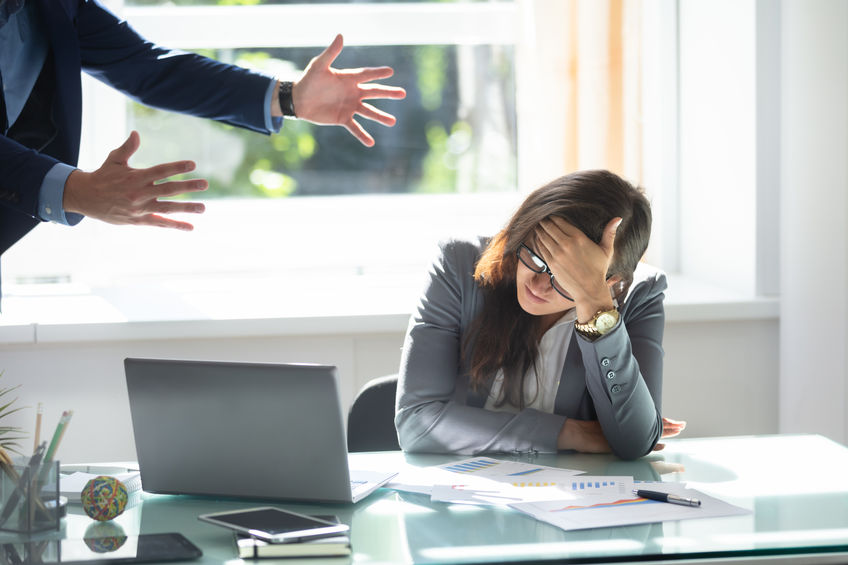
(52, 194)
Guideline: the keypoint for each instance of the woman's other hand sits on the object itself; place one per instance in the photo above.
(587, 436)
(672, 428)
(583, 435)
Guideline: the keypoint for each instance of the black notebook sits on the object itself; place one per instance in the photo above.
(253, 548)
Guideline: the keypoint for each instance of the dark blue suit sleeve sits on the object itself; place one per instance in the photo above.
(21, 167)
(111, 51)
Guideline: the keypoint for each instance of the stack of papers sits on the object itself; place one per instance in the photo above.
(565, 498)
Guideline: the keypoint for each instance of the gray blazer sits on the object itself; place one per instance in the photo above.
(617, 379)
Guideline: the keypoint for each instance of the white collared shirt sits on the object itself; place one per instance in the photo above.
(540, 389)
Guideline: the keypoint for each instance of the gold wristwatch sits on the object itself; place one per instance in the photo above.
(602, 322)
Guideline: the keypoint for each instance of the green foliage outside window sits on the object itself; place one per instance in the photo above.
(445, 140)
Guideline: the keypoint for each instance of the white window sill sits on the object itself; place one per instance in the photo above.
(360, 305)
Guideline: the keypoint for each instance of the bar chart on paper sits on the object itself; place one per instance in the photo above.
(511, 472)
(483, 480)
(472, 465)
(602, 485)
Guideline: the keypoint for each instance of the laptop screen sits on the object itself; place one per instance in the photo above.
(246, 430)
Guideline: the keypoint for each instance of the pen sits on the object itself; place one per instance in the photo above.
(668, 497)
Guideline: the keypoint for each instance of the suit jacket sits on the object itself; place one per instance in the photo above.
(85, 36)
(616, 379)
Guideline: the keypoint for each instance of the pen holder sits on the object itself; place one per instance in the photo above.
(29, 497)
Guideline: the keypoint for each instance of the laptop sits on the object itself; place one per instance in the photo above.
(245, 430)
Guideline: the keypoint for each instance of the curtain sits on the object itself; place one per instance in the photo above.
(603, 87)
(580, 88)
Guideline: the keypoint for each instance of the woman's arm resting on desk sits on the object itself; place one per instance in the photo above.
(624, 370)
(588, 437)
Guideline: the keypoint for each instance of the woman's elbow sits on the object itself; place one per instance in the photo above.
(408, 434)
(633, 447)
(632, 450)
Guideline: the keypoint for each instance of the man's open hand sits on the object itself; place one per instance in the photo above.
(118, 194)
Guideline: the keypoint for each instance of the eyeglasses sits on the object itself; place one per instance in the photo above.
(537, 265)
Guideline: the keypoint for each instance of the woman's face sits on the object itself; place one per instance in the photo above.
(535, 294)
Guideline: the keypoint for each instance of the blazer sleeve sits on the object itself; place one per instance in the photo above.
(429, 417)
(624, 371)
(21, 173)
(111, 51)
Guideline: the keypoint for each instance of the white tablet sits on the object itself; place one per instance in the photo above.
(275, 525)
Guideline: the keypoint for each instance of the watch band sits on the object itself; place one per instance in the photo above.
(593, 329)
(286, 99)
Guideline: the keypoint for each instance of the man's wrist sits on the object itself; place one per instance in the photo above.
(51, 195)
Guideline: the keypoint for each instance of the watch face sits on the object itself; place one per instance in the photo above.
(605, 322)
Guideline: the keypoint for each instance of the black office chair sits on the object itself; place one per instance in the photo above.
(371, 420)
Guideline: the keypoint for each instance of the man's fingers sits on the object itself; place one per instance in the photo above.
(172, 188)
(160, 222)
(165, 170)
(367, 74)
(379, 116)
(122, 154)
(177, 207)
(359, 133)
(328, 55)
(381, 91)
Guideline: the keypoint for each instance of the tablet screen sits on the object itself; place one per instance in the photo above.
(273, 523)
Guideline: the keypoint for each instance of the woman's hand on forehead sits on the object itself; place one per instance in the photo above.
(579, 264)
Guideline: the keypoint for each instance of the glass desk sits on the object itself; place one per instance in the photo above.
(796, 487)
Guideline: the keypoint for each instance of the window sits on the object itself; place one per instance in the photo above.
(309, 222)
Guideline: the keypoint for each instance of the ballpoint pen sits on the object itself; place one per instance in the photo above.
(667, 497)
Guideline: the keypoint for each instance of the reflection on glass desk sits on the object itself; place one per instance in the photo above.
(796, 487)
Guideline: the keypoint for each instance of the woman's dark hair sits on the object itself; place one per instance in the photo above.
(503, 335)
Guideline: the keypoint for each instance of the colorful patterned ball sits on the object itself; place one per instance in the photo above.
(104, 498)
(105, 545)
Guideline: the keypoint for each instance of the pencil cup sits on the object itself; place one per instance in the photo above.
(29, 497)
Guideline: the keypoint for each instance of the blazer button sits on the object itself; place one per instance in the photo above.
(611, 375)
(605, 362)
(616, 388)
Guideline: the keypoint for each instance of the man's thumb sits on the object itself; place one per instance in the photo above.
(122, 154)
(326, 58)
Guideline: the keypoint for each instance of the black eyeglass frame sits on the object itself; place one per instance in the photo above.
(536, 268)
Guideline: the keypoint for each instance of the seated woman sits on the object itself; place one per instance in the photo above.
(547, 336)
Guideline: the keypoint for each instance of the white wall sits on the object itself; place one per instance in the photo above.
(814, 242)
(711, 378)
(89, 377)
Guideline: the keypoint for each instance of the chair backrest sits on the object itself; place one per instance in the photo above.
(371, 420)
